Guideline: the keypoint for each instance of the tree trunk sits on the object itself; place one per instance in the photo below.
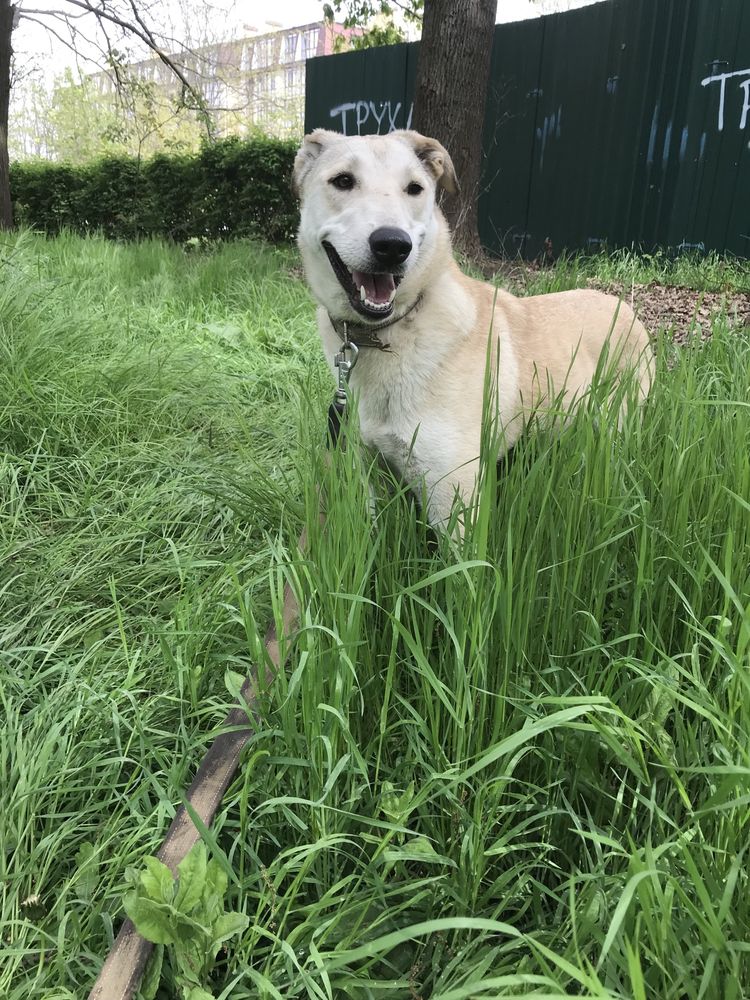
(7, 10)
(451, 91)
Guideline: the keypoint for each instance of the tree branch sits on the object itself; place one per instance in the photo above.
(145, 37)
(61, 39)
(25, 11)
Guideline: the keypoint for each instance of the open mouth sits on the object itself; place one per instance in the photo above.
(370, 295)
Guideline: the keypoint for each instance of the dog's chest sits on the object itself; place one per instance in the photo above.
(394, 395)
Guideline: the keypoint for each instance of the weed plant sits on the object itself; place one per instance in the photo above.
(515, 765)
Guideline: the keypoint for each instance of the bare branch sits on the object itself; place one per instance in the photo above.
(408, 9)
(25, 11)
(63, 41)
(146, 37)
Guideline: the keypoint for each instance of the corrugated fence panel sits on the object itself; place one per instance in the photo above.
(573, 161)
(361, 93)
(697, 197)
(509, 125)
(624, 123)
(712, 200)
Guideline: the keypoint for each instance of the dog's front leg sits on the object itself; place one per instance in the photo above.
(442, 492)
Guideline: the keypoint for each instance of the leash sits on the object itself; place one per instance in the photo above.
(126, 962)
(344, 361)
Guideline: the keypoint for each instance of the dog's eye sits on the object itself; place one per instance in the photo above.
(414, 188)
(344, 182)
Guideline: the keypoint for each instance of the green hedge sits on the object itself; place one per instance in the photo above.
(231, 188)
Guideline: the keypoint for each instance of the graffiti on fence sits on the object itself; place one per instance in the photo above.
(550, 127)
(744, 86)
(386, 115)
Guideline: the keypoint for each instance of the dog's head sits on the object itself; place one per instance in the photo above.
(369, 220)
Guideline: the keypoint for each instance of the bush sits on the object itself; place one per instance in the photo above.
(229, 189)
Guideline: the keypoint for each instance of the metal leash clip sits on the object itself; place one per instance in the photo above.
(345, 364)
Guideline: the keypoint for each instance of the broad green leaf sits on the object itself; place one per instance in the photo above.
(192, 878)
(214, 890)
(151, 919)
(157, 881)
(227, 926)
(233, 683)
(152, 975)
(190, 963)
(189, 928)
(216, 879)
(394, 806)
(198, 993)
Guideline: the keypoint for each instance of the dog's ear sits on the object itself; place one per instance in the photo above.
(436, 158)
(311, 148)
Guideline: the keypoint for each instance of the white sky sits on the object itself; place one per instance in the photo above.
(226, 18)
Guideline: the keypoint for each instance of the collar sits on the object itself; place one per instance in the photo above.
(366, 335)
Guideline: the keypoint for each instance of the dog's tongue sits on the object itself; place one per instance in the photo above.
(378, 287)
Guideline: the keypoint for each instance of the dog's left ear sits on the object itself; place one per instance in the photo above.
(436, 158)
(311, 148)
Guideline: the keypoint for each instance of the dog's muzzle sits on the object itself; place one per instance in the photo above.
(371, 293)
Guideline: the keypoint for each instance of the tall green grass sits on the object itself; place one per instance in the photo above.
(711, 272)
(511, 766)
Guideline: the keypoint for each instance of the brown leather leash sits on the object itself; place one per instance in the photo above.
(126, 962)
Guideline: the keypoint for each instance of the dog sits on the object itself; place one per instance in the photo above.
(377, 255)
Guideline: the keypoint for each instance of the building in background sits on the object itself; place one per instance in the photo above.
(253, 83)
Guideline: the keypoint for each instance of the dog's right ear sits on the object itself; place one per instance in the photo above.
(435, 158)
(311, 148)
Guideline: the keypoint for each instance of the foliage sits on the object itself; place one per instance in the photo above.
(376, 18)
(359, 12)
(387, 33)
(83, 123)
(514, 767)
(185, 914)
(230, 188)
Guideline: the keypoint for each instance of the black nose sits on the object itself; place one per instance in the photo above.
(390, 246)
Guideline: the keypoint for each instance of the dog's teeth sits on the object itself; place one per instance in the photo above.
(362, 293)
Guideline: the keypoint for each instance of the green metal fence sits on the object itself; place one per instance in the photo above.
(627, 122)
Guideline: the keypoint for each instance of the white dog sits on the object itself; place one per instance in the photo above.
(377, 254)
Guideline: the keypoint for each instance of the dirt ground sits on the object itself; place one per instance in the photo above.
(686, 312)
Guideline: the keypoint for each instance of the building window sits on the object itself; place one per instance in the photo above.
(290, 47)
(310, 43)
(212, 92)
